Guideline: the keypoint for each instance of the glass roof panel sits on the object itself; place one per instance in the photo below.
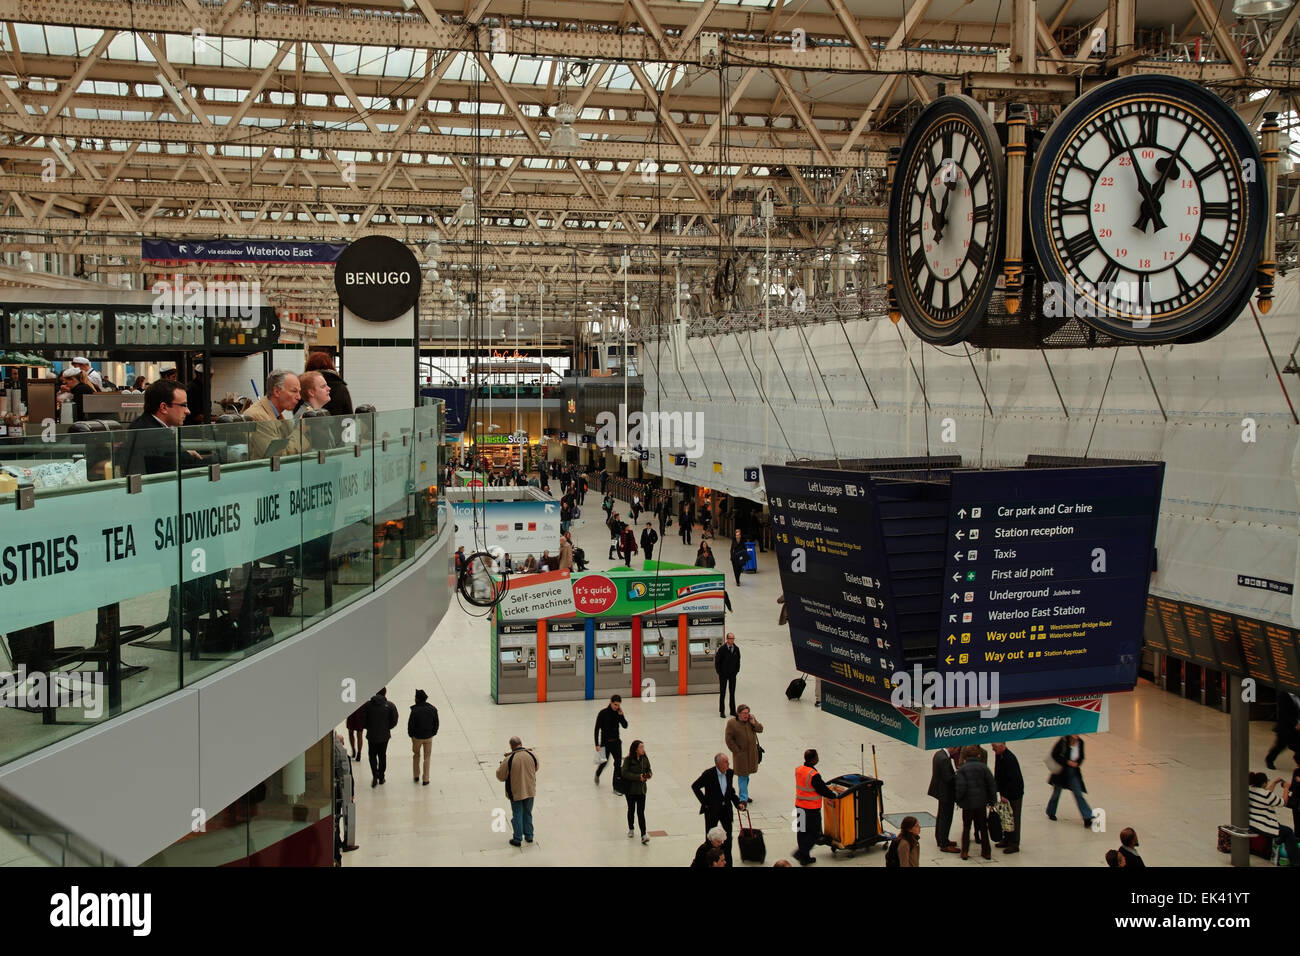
(61, 41)
(31, 38)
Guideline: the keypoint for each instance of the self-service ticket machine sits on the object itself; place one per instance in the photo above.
(516, 663)
(659, 654)
(705, 635)
(613, 642)
(566, 663)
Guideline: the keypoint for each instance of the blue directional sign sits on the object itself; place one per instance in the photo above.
(1046, 574)
(827, 531)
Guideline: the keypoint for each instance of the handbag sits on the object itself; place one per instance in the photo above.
(1052, 766)
(601, 756)
(760, 753)
(995, 825)
(1005, 814)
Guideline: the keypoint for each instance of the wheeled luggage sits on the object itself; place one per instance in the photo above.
(752, 847)
(794, 690)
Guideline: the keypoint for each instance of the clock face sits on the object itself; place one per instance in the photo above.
(945, 220)
(1147, 205)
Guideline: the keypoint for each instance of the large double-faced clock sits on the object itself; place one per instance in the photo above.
(945, 220)
(1148, 210)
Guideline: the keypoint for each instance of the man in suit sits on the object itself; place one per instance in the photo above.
(943, 787)
(727, 665)
(275, 436)
(1287, 728)
(149, 452)
(1011, 788)
(716, 792)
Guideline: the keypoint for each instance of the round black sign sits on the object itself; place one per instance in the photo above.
(377, 278)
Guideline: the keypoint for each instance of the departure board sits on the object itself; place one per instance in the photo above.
(1200, 639)
(1153, 633)
(1171, 616)
(1281, 642)
(1226, 642)
(1256, 657)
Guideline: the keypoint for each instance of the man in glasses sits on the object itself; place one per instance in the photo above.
(148, 452)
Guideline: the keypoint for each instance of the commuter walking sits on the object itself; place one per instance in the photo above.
(1287, 728)
(741, 737)
(809, 789)
(648, 540)
(356, 728)
(627, 544)
(716, 792)
(636, 507)
(381, 718)
(687, 518)
(1067, 753)
(636, 773)
(704, 557)
(608, 722)
(519, 772)
(976, 791)
(662, 514)
(739, 555)
(1011, 788)
(421, 727)
(727, 664)
(943, 789)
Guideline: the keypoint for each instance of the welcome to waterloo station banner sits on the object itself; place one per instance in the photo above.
(531, 597)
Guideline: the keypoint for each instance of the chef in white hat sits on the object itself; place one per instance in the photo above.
(83, 363)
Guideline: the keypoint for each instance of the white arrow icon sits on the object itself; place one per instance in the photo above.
(961, 512)
(959, 535)
(550, 509)
(952, 618)
(956, 577)
(956, 556)
(955, 598)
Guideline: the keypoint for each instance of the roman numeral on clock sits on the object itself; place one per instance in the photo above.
(1109, 273)
(1080, 245)
(1216, 210)
(1075, 207)
(1205, 249)
(916, 261)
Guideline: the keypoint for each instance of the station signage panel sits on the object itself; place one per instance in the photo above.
(1046, 574)
(827, 533)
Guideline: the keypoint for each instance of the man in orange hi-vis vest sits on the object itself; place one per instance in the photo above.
(808, 792)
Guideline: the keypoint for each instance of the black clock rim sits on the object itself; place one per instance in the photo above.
(922, 324)
(1238, 274)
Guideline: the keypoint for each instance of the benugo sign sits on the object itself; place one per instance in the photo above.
(621, 594)
(98, 545)
(377, 278)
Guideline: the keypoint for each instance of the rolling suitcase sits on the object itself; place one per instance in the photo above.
(752, 847)
(794, 690)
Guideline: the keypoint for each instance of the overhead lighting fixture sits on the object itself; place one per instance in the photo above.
(564, 138)
(433, 250)
(1261, 8)
(467, 212)
(408, 4)
(63, 157)
(432, 275)
(172, 92)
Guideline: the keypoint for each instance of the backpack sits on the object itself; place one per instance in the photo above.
(891, 855)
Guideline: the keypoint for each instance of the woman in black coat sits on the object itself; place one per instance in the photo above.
(1068, 755)
(340, 402)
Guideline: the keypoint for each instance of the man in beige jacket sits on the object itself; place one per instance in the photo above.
(275, 436)
(566, 552)
(519, 772)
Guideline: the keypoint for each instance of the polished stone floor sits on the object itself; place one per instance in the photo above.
(1162, 768)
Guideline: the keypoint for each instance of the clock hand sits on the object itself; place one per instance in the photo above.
(1144, 188)
(1169, 170)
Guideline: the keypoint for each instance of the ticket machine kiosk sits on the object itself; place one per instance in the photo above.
(566, 663)
(705, 635)
(613, 642)
(516, 662)
(659, 654)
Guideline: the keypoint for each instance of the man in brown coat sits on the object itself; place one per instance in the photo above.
(566, 552)
(742, 740)
(519, 772)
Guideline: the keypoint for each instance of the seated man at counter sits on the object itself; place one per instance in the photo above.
(149, 452)
(275, 436)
